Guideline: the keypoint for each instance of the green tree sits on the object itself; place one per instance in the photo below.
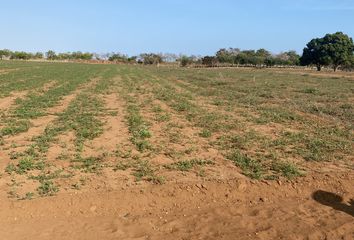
(117, 57)
(38, 55)
(151, 58)
(51, 55)
(185, 61)
(333, 49)
(209, 61)
(339, 47)
(21, 55)
(313, 54)
(5, 53)
(293, 58)
(227, 55)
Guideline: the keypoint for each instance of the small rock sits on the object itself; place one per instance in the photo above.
(242, 187)
(266, 182)
(93, 208)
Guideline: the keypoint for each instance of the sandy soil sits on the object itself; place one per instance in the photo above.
(223, 205)
(233, 209)
(7, 102)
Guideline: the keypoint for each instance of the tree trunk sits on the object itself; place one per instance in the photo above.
(335, 67)
(319, 67)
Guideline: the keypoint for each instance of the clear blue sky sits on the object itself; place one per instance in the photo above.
(178, 26)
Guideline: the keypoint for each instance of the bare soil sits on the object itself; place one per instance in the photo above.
(7, 102)
(232, 209)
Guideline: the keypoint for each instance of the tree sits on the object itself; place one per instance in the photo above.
(339, 47)
(81, 56)
(313, 54)
(38, 55)
(263, 53)
(270, 61)
(169, 57)
(5, 53)
(21, 55)
(185, 61)
(209, 61)
(349, 66)
(333, 49)
(151, 58)
(293, 58)
(117, 57)
(227, 55)
(51, 55)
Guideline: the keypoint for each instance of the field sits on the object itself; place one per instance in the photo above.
(133, 152)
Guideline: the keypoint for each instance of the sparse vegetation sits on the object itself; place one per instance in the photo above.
(258, 120)
(189, 164)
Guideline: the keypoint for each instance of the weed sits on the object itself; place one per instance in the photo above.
(15, 127)
(189, 164)
(310, 91)
(249, 166)
(287, 169)
(122, 166)
(49, 176)
(89, 164)
(24, 165)
(47, 188)
(138, 128)
(205, 133)
(28, 196)
(163, 117)
(142, 170)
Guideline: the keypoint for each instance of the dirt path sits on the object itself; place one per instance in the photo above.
(234, 209)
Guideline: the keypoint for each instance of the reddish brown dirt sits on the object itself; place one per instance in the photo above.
(222, 205)
(23, 140)
(115, 133)
(38, 125)
(7, 102)
(233, 209)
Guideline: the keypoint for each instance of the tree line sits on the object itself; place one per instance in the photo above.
(333, 50)
(50, 55)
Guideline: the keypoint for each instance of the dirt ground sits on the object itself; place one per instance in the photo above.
(112, 204)
(234, 209)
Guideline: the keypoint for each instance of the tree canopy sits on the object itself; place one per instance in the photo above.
(151, 58)
(333, 49)
(256, 57)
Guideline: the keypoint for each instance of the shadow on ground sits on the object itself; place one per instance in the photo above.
(335, 201)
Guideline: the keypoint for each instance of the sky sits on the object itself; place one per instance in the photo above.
(198, 27)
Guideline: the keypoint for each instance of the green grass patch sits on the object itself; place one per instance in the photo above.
(188, 164)
(250, 167)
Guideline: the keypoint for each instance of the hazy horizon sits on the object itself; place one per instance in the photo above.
(198, 27)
